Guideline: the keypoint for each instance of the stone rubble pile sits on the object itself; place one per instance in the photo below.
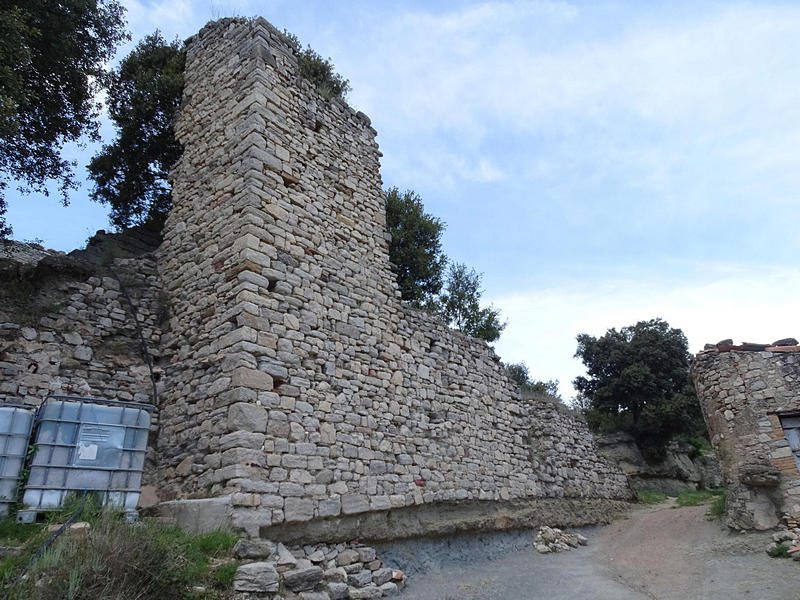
(552, 539)
(790, 537)
(319, 572)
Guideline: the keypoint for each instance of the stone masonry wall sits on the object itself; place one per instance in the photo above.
(300, 388)
(66, 328)
(743, 392)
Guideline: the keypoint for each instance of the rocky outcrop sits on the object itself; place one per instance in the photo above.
(684, 466)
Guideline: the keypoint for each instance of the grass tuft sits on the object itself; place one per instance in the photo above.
(697, 497)
(13, 533)
(718, 507)
(650, 496)
(223, 575)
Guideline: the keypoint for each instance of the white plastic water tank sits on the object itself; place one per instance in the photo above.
(16, 421)
(86, 444)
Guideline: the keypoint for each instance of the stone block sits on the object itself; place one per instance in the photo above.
(242, 499)
(298, 509)
(82, 353)
(330, 508)
(251, 520)
(249, 549)
(366, 593)
(199, 516)
(314, 596)
(337, 574)
(242, 439)
(259, 577)
(244, 416)
(303, 577)
(360, 579)
(338, 590)
(354, 503)
(366, 554)
(389, 589)
(73, 338)
(346, 557)
(251, 378)
(286, 559)
(381, 576)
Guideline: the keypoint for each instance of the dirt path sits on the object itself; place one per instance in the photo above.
(678, 553)
(659, 553)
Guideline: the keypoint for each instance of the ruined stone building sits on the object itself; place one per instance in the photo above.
(298, 397)
(750, 396)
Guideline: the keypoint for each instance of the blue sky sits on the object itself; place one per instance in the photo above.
(600, 162)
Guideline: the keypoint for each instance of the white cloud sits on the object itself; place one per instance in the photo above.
(753, 304)
(172, 17)
(650, 100)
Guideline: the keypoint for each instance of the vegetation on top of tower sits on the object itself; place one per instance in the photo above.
(319, 71)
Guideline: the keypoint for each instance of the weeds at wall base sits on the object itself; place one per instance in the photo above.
(117, 561)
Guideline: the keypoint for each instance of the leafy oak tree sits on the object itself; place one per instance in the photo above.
(52, 57)
(415, 248)
(130, 174)
(638, 380)
(460, 305)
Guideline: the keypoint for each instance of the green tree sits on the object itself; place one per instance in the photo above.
(638, 380)
(519, 374)
(130, 174)
(460, 306)
(415, 249)
(52, 57)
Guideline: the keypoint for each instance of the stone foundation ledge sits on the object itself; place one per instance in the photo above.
(443, 518)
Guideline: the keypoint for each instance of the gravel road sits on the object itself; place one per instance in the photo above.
(658, 553)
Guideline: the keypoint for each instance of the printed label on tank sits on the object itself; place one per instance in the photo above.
(87, 451)
(100, 444)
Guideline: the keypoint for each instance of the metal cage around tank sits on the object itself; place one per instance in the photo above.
(16, 423)
(87, 445)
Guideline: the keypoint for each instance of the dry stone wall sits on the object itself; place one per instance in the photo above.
(66, 327)
(745, 391)
(301, 390)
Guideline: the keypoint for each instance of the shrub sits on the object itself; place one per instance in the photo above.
(519, 374)
(638, 381)
(701, 445)
(317, 70)
(779, 551)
